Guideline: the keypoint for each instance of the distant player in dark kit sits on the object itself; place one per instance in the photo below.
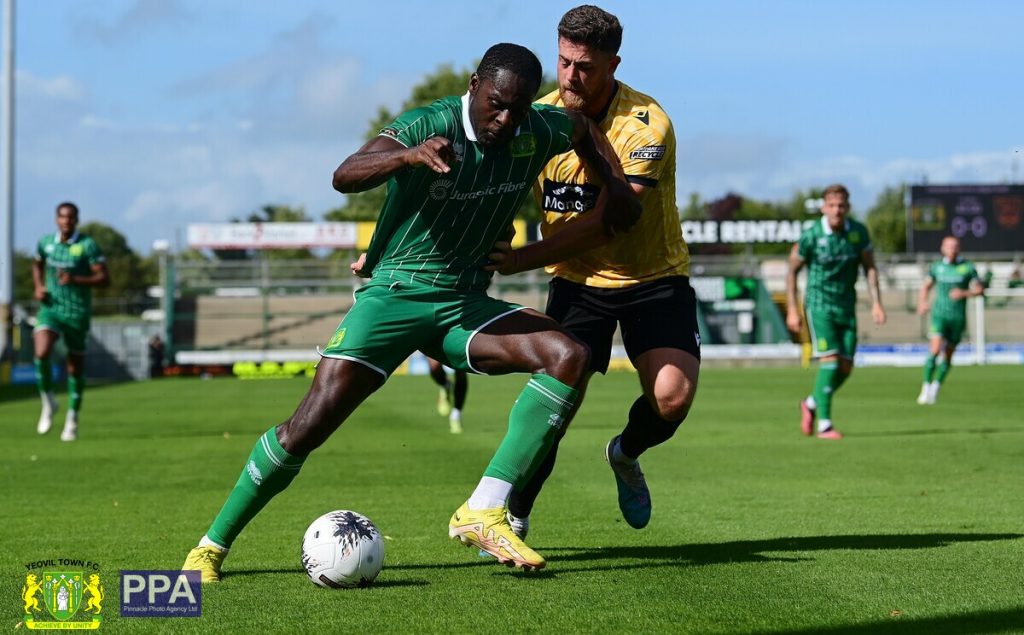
(67, 267)
(954, 280)
(834, 250)
(457, 172)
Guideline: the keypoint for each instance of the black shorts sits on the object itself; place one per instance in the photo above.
(657, 314)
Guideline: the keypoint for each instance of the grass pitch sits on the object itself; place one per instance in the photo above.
(912, 524)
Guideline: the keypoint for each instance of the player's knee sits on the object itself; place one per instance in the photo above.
(673, 408)
(567, 360)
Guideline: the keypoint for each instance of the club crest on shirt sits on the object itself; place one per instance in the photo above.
(523, 145)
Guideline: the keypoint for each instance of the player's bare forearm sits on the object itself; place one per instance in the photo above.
(98, 277)
(873, 286)
(38, 280)
(366, 170)
(793, 319)
(578, 237)
(923, 305)
(38, 275)
(623, 207)
(381, 158)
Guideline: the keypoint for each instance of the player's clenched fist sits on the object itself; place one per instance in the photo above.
(436, 153)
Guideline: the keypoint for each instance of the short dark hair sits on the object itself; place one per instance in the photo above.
(836, 188)
(592, 26)
(513, 58)
(69, 205)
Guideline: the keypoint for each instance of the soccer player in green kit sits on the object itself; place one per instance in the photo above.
(457, 171)
(954, 280)
(67, 266)
(833, 251)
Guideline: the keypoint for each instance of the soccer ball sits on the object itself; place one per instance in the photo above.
(342, 550)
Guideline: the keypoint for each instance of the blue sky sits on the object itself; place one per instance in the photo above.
(152, 114)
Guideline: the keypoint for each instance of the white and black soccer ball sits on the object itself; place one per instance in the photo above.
(342, 549)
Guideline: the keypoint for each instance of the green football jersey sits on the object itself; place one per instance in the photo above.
(948, 276)
(76, 256)
(437, 229)
(833, 260)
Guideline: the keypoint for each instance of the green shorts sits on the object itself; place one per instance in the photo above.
(75, 331)
(832, 333)
(389, 322)
(949, 329)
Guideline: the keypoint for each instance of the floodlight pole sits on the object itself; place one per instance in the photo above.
(7, 154)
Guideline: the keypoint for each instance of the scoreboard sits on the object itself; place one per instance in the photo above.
(984, 217)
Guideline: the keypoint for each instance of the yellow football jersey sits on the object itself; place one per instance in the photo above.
(642, 136)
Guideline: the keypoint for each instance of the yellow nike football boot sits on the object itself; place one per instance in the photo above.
(207, 560)
(489, 530)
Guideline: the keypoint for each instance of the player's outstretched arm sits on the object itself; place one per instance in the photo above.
(622, 209)
(580, 236)
(381, 157)
(793, 320)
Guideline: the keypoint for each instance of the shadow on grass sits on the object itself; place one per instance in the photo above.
(754, 550)
(229, 575)
(1003, 621)
(740, 551)
(919, 433)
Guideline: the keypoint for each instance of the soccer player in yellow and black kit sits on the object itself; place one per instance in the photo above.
(638, 280)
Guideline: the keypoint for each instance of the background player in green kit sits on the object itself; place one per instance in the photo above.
(954, 280)
(833, 250)
(457, 171)
(67, 266)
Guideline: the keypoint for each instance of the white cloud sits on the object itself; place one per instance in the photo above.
(59, 88)
(211, 201)
(141, 17)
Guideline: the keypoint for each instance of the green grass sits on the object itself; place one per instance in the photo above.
(913, 523)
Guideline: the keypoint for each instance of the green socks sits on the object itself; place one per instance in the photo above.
(44, 374)
(537, 416)
(929, 369)
(76, 386)
(824, 385)
(269, 470)
(944, 367)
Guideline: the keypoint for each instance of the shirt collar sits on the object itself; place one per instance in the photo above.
(71, 239)
(956, 261)
(468, 125)
(828, 228)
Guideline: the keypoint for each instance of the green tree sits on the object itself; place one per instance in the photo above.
(24, 288)
(887, 220)
(129, 275)
(364, 206)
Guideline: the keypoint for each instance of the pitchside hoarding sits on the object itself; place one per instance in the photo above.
(984, 217)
